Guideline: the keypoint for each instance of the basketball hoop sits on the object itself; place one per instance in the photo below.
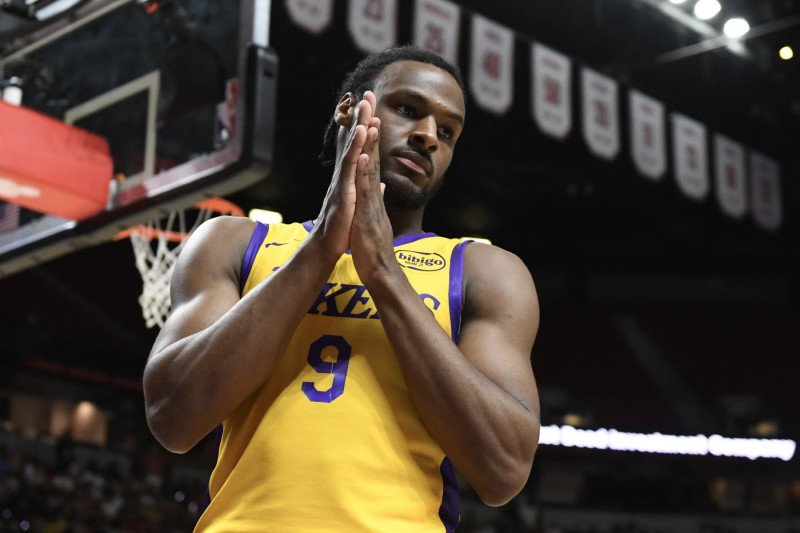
(156, 249)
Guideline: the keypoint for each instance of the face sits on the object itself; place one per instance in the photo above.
(421, 108)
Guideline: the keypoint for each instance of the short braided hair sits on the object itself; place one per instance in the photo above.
(365, 74)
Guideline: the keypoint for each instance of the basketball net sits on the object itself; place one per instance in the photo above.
(157, 247)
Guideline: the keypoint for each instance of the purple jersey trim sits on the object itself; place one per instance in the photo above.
(449, 510)
(259, 234)
(405, 239)
(456, 285)
(217, 441)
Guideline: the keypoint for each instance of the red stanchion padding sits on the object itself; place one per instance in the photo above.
(52, 167)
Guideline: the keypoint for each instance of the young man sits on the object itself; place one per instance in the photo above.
(350, 360)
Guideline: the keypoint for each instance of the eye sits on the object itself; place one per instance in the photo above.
(446, 132)
(405, 110)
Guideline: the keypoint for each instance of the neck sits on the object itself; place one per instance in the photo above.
(405, 222)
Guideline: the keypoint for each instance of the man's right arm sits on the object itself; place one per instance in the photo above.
(217, 348)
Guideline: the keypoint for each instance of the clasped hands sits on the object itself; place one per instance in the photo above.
(353, 214)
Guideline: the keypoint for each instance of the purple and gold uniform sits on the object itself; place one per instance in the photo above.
(332, 441)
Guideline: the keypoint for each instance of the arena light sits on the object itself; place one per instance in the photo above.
(786, 53)
(710, 33)
(736, 28)
(12, 94)
(678, 2)
(55, 8)
(707, 9)
(716, 445)
(265, 217)
(38, 9)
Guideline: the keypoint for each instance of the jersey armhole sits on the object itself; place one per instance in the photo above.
(259, 234)
(456, 289)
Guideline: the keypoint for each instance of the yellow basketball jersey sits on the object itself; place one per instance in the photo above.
(332, 442)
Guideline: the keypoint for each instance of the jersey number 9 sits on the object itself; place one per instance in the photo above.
(338, 368)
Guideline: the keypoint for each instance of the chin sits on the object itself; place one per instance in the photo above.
(402, 193)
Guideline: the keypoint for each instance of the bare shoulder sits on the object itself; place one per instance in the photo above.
(214, 250)
(224, 228)
(205, 282)
(492, 265)
(498, 283)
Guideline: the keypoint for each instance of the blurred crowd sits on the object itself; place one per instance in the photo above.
(53, 485)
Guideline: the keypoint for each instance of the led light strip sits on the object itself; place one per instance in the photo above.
(717, 445)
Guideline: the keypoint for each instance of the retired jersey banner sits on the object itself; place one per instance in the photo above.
(600, 114)
(551, 74)
(313, 16)
(690, 154)
(765, 195)
(730, 173)
(648, 137)
(373, 24)
(492, 65)
(437, 24)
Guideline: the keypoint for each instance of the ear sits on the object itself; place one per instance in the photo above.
(345, 110)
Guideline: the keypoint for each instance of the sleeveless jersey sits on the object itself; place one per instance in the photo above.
(332, 442)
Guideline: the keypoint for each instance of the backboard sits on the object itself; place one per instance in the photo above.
(178, 94)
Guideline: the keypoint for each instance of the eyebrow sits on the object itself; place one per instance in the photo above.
(419, 97)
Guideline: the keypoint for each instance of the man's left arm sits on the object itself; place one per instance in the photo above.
(479, 398)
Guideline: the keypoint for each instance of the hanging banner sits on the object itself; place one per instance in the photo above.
(373, 24)
(314, 16)
(551, 74)
(765, 187)
(600, 114)
(436, 27)
(491, 65)
(730, 175)
(648, 142)
(690, 157)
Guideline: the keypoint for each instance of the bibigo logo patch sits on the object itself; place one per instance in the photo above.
(426, 261)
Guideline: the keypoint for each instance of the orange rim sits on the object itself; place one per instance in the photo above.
(215, 205)
(150, 234)
(221, 206)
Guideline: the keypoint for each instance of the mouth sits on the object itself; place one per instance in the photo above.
(415, 162)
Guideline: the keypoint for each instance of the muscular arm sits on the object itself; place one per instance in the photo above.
(478, 399)
(217, 349)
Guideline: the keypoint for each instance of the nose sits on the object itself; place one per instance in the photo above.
(424, 134)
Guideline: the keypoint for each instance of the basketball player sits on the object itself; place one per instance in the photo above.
(352, 361)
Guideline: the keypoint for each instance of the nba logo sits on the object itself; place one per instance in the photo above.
(225, 123)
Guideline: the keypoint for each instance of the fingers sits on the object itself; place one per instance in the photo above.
(371, 170)
(362, 140)
(369, 96)
(355, 144)
(369, 189)
(373, 136)
(361, 165)
(365, 110)
(359, 134)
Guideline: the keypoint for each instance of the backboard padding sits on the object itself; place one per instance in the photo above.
(170, 156)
